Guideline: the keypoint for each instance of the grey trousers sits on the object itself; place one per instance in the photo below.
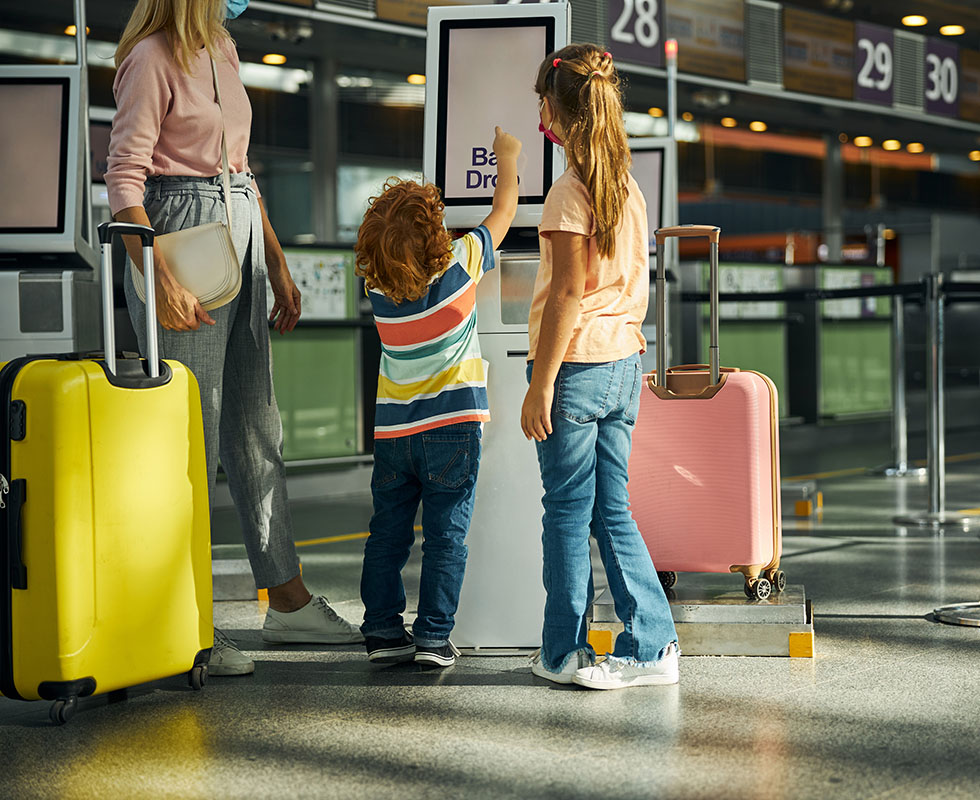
(232, 363)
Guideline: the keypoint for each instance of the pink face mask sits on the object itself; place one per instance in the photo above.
(548, 133)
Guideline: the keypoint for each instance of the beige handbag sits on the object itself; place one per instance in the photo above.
(203, 258)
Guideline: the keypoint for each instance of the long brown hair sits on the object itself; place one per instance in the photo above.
(187, 23)
(583, 88)
(402, 244)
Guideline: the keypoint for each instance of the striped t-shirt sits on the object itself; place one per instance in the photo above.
(432, 373)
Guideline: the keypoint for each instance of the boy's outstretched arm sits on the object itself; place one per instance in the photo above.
(507, 148)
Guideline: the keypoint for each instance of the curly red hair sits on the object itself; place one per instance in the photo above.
(402, 243)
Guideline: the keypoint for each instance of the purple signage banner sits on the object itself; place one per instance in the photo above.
(874, 63)
(942, 78)
(636, 31)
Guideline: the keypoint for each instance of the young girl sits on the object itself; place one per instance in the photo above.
(584, 371)
(432, 401)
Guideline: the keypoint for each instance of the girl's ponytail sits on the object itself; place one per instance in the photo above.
(583, 87)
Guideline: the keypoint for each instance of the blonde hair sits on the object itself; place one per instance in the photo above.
(187, 23)
(583, 88)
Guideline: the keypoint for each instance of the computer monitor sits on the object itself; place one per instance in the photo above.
(44, 218)
(481, 64)
(652, 166)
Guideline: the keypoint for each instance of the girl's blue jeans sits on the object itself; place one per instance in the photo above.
(584, 471)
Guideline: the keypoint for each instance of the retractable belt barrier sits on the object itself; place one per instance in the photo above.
(935, 293)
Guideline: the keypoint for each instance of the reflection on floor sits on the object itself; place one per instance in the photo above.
(886, 709)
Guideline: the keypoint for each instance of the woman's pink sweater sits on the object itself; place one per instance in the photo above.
(168, 122)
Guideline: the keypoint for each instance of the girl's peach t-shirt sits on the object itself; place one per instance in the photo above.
(617, 289)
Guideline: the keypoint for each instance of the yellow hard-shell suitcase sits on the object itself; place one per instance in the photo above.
(105, 541)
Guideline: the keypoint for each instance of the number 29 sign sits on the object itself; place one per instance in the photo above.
(874, 63)
(636, 31)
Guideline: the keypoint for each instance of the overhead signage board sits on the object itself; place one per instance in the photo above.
(970, 85)
(413, 12)
(874, 64)
(636, 31)
(818, 54)
(942, 78)
(710, 36)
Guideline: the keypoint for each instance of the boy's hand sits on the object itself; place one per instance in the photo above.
(505, 145)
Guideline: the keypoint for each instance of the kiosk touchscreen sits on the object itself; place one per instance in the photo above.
(481, 64)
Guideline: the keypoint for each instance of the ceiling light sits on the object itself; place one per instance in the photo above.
(71, 30)
(863, 141)
(915, 147)
(275, 59)
(842, 138)
(728, 122)
(952, 30)
(975, 155)
(415, 79)
(687, 116)
(889, 234)
(914, 21)
(655, 112)
(891, 144)
(758, 126)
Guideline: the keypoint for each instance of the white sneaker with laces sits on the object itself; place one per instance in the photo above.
(620, 673)
(314, 623)
(227, 659)
(577, 661)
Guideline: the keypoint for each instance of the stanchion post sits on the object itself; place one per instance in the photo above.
(937, 517)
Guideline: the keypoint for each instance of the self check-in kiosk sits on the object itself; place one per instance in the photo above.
(481, 64)
(49, 295)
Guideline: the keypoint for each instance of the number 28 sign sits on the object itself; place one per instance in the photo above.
(636, 31)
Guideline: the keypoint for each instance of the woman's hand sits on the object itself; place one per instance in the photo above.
(288, 301)
(536, 412)
(177, 308)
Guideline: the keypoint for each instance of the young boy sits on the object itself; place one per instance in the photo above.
(432, 402)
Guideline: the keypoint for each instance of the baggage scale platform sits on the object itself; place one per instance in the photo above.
(714, 618)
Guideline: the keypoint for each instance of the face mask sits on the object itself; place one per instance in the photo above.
(548, 133)
(234, 8)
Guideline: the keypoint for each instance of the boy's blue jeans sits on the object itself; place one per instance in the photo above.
(584, 471)
(438, 469)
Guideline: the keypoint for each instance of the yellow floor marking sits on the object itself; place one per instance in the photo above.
(969, 511)
(346, 537)
(839, 473)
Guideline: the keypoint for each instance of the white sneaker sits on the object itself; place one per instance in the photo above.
(227, 659)
(580, 659)
(314, 623)
(620, 673)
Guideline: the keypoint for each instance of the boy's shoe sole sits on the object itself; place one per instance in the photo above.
(392, 655)
(435, 659)
(564, 678)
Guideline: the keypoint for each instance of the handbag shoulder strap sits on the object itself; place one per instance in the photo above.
(225, 180)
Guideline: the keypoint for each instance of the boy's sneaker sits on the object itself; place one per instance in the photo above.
(442, 656)
(227, 659)
(314, 623)
(577, 661)
(390, 651)
(620, 673)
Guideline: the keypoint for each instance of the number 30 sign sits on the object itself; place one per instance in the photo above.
(636, 31)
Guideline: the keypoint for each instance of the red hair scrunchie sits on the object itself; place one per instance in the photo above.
(555, 63)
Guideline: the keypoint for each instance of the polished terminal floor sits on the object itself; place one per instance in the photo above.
(886, 709)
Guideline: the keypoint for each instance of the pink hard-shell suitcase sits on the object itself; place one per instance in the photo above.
(704, 470)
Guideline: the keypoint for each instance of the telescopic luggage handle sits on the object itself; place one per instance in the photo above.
(712, 232)
(107, 232)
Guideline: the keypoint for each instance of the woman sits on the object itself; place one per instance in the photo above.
(164, 171)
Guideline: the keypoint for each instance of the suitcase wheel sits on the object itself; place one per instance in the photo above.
(778, 579)
(667, 579)
(197, 677)
(63, 710)
(759, 589)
